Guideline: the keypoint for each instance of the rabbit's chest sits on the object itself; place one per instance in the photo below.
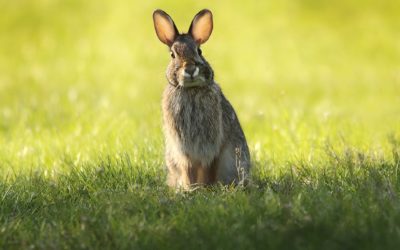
(196, 124)
(198, 118)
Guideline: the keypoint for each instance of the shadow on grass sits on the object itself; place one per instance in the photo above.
(349, 200)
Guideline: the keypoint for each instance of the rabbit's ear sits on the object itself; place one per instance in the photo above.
(165, 27)
(202, 26)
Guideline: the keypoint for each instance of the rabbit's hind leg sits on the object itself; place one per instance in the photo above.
(226, 165)
(232, 165)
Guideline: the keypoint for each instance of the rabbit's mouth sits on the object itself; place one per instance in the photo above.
(193, 79)
(192, 82)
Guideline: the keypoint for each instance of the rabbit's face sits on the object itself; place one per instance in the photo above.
(187, 68)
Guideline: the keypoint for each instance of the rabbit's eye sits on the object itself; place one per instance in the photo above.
(172, 54)
(199, 51)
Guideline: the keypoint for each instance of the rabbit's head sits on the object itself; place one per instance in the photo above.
(187, 67)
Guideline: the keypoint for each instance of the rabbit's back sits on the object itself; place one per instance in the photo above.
(233, 161)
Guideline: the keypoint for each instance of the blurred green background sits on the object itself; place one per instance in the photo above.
(82, 80)
(316, 86)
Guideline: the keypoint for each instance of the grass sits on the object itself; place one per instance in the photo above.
(315, 84)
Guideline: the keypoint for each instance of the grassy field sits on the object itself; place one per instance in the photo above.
(316, 85)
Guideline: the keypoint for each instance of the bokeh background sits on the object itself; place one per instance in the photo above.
(81, 81)
(316, 86)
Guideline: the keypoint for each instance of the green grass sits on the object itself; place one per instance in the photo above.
(316, 85)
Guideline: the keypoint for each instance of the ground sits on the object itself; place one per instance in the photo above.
(316, 86)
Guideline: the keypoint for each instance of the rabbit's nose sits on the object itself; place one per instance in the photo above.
(192, 70)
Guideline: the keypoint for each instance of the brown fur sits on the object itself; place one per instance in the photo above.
(204, 141)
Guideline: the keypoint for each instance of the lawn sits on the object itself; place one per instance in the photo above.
(315, 84)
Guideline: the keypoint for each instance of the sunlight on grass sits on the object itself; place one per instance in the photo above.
(315, 84)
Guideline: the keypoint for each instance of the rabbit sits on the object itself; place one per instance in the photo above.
(204, 142)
